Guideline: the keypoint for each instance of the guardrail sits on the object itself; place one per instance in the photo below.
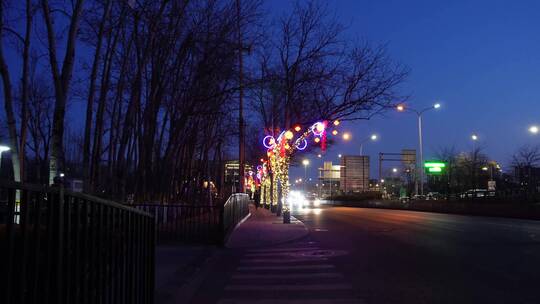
(63, 247)
(197, 223)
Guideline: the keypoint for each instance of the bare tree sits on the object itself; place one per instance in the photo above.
(61, 79)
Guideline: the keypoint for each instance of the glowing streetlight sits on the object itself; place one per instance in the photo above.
(373, 137)
(401, 108)
(534, 129)
(394, 170)
(339, 155)
(305, 162)
(3, 149)
(346, 136)
(319, 155)
(474, 137)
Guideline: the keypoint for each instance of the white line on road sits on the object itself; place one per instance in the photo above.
(292, 301)
(294, 267)
(271, 287)
(318, 275)
(283, 249)
(283, 261)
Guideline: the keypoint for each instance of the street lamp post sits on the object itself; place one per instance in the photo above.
(2, 149)
(402, 108)
(373, 137)
(305, 162)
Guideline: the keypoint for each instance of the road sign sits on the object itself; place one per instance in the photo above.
(434, 167)
(492, 185)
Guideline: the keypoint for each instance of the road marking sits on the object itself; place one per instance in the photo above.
(282, 261)
(281, 287)
(318, 275)
(296, 267)
(292, 301)
(283, 249)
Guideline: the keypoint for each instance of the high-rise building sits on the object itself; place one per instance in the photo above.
(354, 173)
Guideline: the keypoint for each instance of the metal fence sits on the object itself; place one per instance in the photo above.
(197, 223)
(62, 247)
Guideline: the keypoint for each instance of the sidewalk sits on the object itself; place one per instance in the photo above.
(181, 269)
(263, 228)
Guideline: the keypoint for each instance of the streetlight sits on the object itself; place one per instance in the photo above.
(2, 149)
(339, 155)
(534, 129)
(305, 162)
(346, 136)
(373, 137)
(402, 108)
(394, 170)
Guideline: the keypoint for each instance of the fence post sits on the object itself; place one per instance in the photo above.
(60, 245)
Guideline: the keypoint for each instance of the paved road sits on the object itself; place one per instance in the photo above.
(356, 255)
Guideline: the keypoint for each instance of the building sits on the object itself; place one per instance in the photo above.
(231, 176)
(354, 173)
(329, 179)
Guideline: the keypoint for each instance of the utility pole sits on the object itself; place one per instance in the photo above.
(241, 150)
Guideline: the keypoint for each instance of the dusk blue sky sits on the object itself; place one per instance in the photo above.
(479, 59)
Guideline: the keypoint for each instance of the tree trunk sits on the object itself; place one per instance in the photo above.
(90, 101)
(8, 103)
(61, 82)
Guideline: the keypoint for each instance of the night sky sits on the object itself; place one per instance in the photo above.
(479, 59)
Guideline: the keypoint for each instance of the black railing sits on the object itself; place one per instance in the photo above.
(185, 223)
(234, 210)
(63, 247)
(197, 223)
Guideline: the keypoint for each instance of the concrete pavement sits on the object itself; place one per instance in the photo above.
(263, 228)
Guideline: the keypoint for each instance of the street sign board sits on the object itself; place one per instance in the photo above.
(434, 167)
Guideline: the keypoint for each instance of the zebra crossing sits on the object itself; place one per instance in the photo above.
(296, 274)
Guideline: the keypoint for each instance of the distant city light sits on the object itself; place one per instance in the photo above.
(336, 122)
(319, 155)
(297, 128)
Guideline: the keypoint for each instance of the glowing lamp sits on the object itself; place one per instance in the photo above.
(269, 141)
(302, 145)
(287, 147)
(317, 140)
(289, 135)
(346, 136)
(297, 128)
(262, 160)
(336, 122)
(334, 132)
(400, 108)
(318, 128)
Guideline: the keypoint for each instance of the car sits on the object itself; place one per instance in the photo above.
(419, 197)
(433, 196)
(477, 193)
